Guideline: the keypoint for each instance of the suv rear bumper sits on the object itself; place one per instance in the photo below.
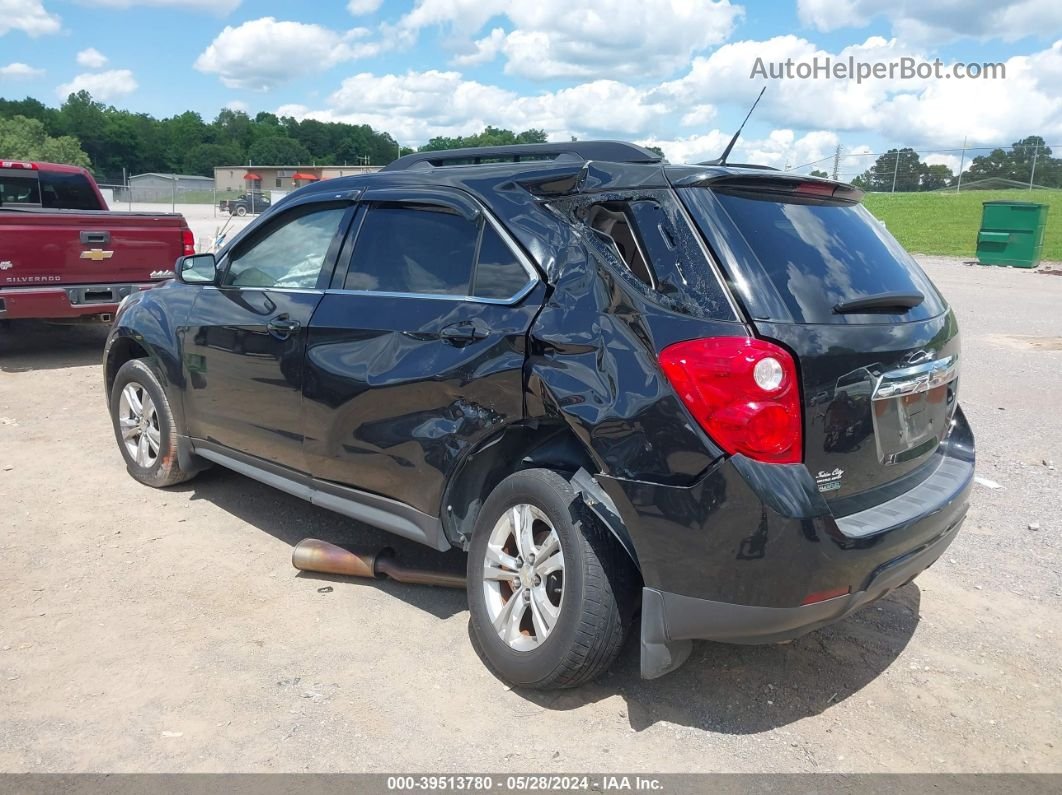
(747, 554)
(43, 303)
(671, 621)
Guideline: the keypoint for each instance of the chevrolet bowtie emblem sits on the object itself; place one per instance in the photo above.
(96, 254)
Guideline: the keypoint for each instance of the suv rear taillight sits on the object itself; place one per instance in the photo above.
(743, 392)
(188, 242)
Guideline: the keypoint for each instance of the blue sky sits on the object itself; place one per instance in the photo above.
(670, 72)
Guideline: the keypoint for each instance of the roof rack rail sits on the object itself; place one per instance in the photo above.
(611, 151)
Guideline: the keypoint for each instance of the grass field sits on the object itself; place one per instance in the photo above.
(947, 223)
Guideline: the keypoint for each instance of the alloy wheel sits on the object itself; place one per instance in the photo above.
(138, 419)
(523, 577)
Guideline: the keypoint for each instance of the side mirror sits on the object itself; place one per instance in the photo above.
(197, 269)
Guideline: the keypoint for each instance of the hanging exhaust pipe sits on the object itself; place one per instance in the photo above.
(310, 554)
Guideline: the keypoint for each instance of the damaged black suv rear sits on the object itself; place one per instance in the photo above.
(721, 397)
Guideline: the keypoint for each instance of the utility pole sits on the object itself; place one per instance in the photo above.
(895, 168)
(962, 162)
(1032, 171)
(836, 160)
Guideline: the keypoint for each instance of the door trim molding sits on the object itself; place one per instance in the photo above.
(381, 512)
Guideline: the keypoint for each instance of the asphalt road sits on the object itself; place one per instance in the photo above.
(146, 630)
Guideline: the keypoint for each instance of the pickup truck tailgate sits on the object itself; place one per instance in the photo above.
(57, 247)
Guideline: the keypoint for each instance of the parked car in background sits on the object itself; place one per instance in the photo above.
(250, 203)
(65, 256)
(723, 396)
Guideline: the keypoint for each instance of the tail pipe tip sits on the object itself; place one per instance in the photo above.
(312, 554)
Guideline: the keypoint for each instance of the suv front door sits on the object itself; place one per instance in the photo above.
(417, 352)
(244, 345)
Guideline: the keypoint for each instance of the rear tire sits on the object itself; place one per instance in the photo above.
(558, 620)
(144, 426)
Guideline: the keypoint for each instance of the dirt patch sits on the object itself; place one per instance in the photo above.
(1024, 342)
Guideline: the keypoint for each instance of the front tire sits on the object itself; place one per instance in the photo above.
(144, 426)
(549, 589)
(241, 211)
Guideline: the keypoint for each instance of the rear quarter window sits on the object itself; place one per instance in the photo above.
(811, 255)
(645, 238)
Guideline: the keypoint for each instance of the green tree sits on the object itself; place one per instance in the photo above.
(818, 173)
(278, 150)
(491, 136)
(1017, 164)
(899, 169)
(937, 177)
(201, 159)
(27, 139)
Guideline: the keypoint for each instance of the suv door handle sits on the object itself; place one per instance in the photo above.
(463, 332)
(283, 327)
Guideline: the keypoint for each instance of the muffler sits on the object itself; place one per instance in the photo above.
(311, 554)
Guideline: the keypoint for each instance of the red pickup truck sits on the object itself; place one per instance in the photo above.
(64, 255)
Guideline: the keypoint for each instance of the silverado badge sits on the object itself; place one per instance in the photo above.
(96, 254)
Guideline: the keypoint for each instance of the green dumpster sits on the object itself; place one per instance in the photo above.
(1012, 233)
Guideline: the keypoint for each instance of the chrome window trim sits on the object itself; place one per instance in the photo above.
(515, 299)
(532, 273)
(249, 289)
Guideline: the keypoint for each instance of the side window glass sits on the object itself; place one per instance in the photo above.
(413, 249)
(499, 273)
(291, 255)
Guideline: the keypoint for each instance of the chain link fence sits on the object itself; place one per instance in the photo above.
(1030, 165)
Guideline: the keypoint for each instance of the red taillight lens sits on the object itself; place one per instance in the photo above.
(188, 242)
(743, 392)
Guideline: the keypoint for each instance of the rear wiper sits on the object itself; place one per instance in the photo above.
(880, 302)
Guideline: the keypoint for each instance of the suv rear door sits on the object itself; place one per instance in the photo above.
(417, 352)
(876, 346)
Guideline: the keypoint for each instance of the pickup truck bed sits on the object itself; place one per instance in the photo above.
(79, 264)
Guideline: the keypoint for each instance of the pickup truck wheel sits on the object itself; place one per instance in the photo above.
(144, 426)
(241, 211)
(548, 592)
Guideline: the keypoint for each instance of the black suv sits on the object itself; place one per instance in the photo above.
(723, 397)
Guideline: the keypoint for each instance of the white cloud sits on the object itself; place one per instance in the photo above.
(781, 148)
(484, 50)
(294, 109)
(951, 161)
(417, 106)
(935, 112)
(943, 19)
(91, 58)
(237, 104)
(698, 116)
(559, 39)
(103, 86)
(218, 7)
(264, 53)
(28, 16)
(19, 71)
(360, 7)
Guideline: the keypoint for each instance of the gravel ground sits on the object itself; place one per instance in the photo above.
(145, 630)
